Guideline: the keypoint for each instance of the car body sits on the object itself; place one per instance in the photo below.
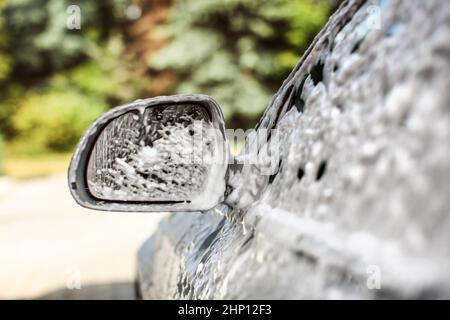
(357, 206)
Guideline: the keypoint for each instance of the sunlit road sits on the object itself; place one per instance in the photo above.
(48, 244)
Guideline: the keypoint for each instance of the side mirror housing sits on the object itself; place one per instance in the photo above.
(166, 153)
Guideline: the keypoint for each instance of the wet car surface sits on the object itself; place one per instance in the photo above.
(361, 189)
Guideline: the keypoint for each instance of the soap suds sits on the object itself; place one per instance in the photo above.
(152, 156)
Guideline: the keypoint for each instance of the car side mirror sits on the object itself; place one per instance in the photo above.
(159, 154)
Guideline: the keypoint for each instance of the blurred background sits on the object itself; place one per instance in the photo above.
(65, 62)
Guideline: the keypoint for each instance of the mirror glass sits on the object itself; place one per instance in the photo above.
(158, 153)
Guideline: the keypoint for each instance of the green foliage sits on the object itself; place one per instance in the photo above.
(52, 118)
(56, 80)
(308, 18)
(5, 60)
(105, 76)
(2, 153)
(5, 66)
(238, 51)
(54, 121)
(10, 95)
(39, 39)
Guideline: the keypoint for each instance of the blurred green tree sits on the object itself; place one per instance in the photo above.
(56, 80)
(6, 61)
(238, 51)
(54, 116)
(54, 120)
(2, 155)
(40, 41)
